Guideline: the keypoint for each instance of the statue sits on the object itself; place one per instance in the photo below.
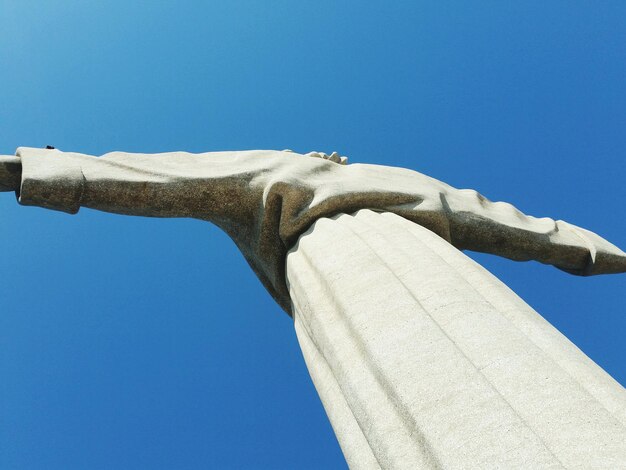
(421, 358)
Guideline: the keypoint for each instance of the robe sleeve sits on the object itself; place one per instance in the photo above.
(478, 224)
(210, 186)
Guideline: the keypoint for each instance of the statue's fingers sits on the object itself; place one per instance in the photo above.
(334, 157)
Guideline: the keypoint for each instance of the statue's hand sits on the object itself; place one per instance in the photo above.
(10, 173)
(603, 258)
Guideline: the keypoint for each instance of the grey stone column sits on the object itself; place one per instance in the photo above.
(423, 359)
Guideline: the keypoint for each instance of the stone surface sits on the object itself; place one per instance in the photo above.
(423, 359)
(266, 199)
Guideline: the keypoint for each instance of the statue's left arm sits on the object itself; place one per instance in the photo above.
(177, 184)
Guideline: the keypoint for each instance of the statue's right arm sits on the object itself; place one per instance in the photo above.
(478, 224)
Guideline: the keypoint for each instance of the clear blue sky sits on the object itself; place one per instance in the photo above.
(137, 343)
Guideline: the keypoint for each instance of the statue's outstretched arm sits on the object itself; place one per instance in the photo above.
(470, 221)
(478, 224)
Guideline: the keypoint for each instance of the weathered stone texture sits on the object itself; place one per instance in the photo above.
(423, 359)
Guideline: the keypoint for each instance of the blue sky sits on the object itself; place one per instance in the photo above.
(142, 343)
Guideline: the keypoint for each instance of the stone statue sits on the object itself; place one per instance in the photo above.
(421, 357)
